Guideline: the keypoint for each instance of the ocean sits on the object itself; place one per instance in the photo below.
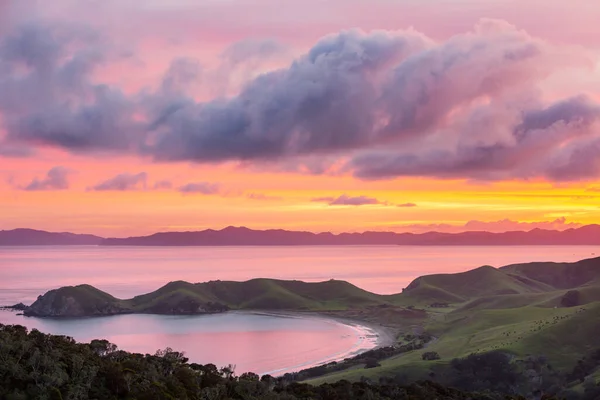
(259, 343)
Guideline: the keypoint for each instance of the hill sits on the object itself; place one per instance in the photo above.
(517, 310)
(241, 236)
(217, 296)
(32, 237)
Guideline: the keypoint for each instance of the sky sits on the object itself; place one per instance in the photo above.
(123, 118)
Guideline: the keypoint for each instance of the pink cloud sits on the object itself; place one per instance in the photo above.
(395, 103)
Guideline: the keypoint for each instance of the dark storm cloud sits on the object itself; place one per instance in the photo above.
(55, 179)
(123, 182)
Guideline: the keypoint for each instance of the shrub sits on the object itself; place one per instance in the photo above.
(430, 355)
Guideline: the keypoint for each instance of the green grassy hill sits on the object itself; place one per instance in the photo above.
(558, 275)
(187, 298)
(457, 288)
(516, 309)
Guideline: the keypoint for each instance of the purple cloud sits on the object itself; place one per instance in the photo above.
(206, 188)
(55, 179)
(345, 200)
(162, 185)
(261, 196)
(408, 205)
(123, 182)
(392, 103)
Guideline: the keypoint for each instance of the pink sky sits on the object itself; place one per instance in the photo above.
(464, 136)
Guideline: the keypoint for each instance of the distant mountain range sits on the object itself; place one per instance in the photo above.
(32, 237)
(241, 236)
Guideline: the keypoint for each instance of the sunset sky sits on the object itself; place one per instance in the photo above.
(124, 118)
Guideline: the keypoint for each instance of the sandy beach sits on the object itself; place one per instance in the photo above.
(384, 336)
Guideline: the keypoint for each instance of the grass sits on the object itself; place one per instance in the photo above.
(266, 294)
(87, 295)
(458, 288)
(561, 334)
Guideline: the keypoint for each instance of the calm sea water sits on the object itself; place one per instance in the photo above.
(261, 343)
(26, 272)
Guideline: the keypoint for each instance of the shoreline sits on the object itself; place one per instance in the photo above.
(386, 336)
(369, 335)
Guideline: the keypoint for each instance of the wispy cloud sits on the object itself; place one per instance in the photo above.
(123, 182)
(55, 179)
(346, 200)
(205, 188)
(261, 196)
(408, 205)
(160, 185)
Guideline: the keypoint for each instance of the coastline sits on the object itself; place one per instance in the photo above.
(386, 336)
(368, 336)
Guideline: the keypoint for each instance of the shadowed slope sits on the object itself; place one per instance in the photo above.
(559, 275)
(457, 288)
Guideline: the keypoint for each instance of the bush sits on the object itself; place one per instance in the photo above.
(371, 363)
(430, 355)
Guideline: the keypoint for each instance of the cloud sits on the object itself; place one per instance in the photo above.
(345, 200)
(408, 205)
(9, 151)
(55, 179)
(252, 49)
(123, 182)
(504, 225)
(162, 185)
(261, 196)
(206, 188)
(530, 149)
(387, 103)
(322, 199)
(54, 101)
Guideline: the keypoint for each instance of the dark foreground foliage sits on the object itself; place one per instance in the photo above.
(34, 365)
